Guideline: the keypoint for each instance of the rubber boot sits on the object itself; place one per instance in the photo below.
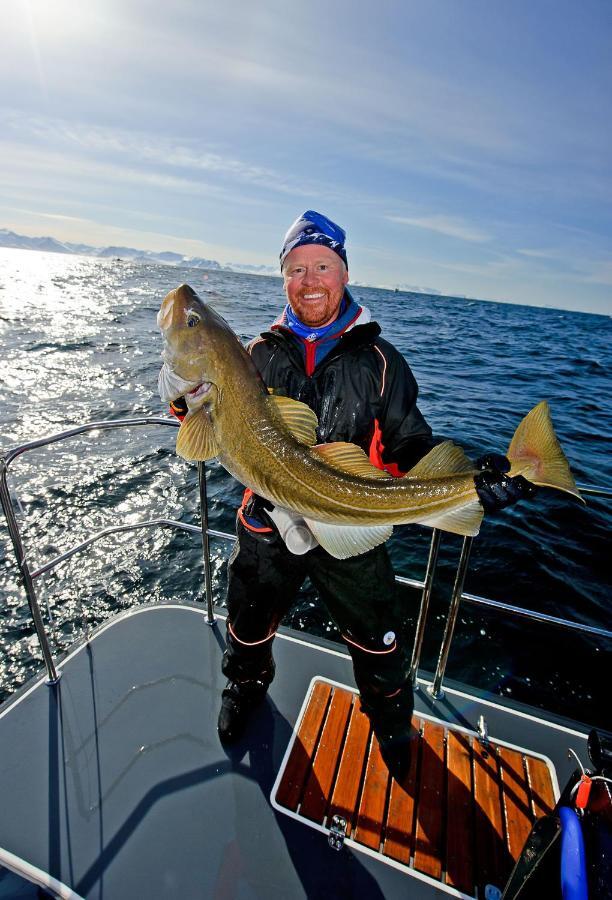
(238, 701)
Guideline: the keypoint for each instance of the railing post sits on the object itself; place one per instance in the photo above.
(24, 571)
(425, 598)
(436, 688)
(210, 613)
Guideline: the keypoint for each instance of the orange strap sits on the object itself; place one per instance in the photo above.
(265, 529)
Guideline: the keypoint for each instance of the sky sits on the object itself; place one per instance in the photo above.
(464, 145)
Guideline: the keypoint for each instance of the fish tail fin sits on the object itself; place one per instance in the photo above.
(536, 453)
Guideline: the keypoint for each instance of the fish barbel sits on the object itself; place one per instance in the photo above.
(268, 443)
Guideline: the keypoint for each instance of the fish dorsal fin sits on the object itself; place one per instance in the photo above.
(348, 458)
(465, 521)
(445, 459)
(342, 541)
(297, 418)
(196, 438)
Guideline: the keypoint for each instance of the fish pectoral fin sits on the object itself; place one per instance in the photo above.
(342, 541)
(349, 458)
(296, 418)
(445, 459)
(465, 521)
(196, 438)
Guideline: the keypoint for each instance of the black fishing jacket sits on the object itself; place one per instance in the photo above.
(363, 392)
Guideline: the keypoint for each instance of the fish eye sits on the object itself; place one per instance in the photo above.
(192, 319)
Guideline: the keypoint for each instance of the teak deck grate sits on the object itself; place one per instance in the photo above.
(462, 815)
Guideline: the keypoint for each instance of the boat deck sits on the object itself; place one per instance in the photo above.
(116, 784)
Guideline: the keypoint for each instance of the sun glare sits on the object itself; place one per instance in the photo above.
(49, 283)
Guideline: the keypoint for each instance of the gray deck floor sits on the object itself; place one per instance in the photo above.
(116, 783)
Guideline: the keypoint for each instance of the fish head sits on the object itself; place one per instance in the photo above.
(190, 329)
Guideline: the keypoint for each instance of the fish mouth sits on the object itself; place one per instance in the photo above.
(199, 391)
(171, 386)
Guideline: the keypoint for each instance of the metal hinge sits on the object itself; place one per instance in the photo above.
(483, 732)
(337, 833)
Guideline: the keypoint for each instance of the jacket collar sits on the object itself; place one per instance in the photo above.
(358, 337)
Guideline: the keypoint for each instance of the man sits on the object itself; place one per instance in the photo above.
(324, 350)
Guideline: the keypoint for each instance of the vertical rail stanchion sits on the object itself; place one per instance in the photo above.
(210, 613)
(436, 688)
(425, 598)
(24, 571)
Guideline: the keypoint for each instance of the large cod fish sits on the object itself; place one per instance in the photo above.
(268, 443)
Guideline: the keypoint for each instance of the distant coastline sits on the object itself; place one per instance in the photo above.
(14, 241)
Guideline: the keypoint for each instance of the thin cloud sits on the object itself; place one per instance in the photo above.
(138, 148)
(601, 274)
(446, 225)
(538, 254)
(496, 267)
(39, 163)
(576, 267)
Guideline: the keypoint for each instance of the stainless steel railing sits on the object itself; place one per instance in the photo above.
(458, 595)
(28, 575)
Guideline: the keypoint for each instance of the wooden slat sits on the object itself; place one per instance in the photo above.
(540, 785)
(318, 786)
(373, 798)
(430, 810)
(493, 862)
(399, 828)
(348, 779)
(516, 802)
(298, 764)
(468, 815)
(460, 816)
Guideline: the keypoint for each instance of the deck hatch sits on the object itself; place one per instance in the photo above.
(461, 817)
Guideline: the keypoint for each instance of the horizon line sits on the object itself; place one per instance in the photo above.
(237, 268)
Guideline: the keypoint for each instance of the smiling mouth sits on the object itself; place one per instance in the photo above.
(200, 390)
(313, 296)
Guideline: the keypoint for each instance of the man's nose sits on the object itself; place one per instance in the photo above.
(310, 276)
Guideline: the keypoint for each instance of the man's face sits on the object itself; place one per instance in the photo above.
(314, 280)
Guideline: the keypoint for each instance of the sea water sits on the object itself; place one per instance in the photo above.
(80, 344)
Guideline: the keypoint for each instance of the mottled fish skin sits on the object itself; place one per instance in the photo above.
(254, 445)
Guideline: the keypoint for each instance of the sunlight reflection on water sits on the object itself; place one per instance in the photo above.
(80, 344)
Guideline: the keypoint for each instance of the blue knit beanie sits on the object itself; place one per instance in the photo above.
(314, 228)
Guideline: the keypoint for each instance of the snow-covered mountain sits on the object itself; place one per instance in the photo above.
(18, 241)
(166, 257)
